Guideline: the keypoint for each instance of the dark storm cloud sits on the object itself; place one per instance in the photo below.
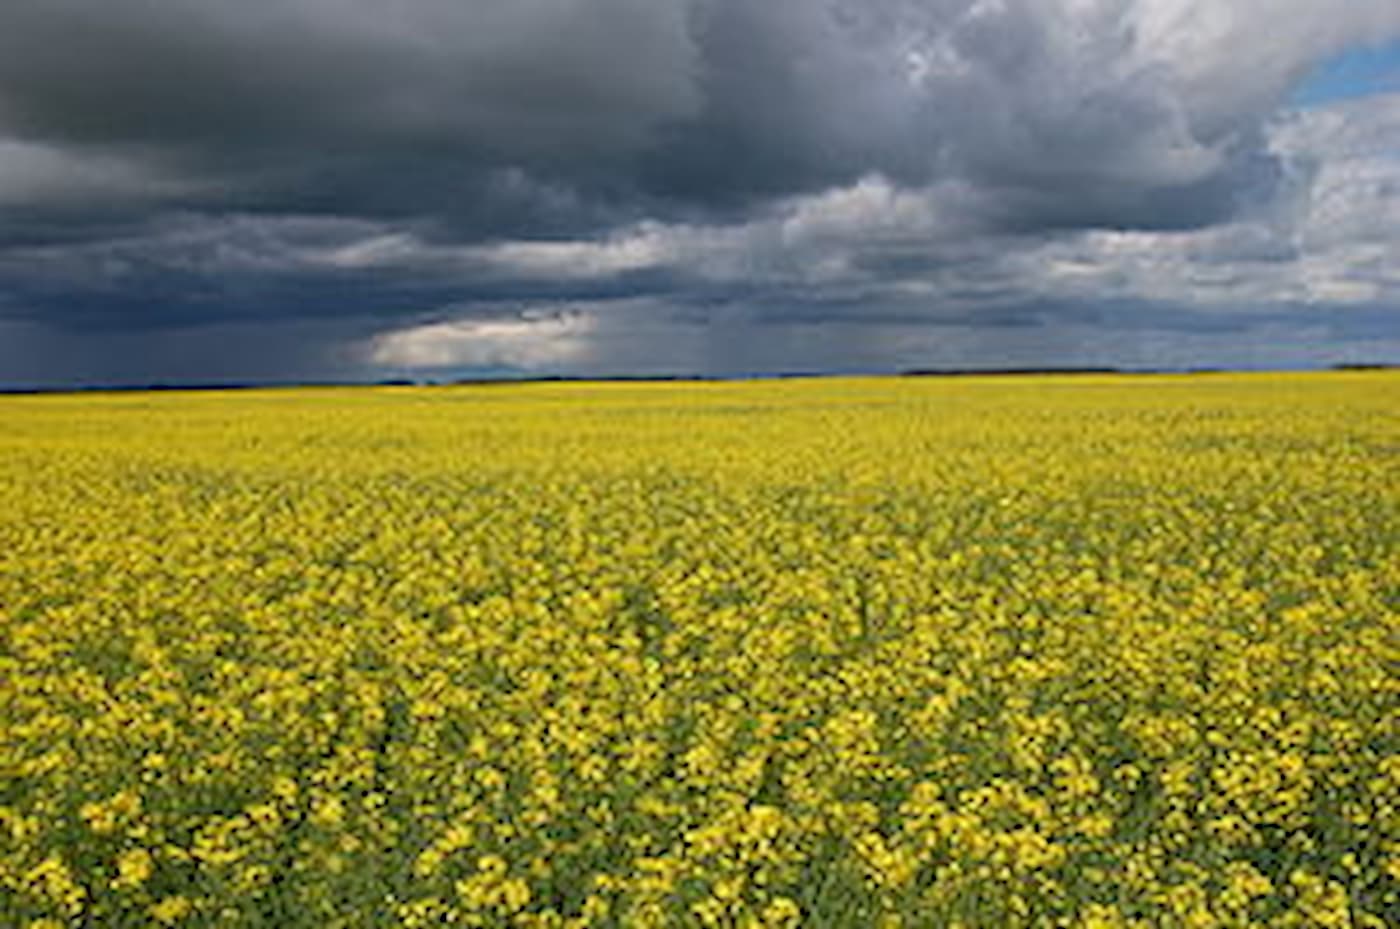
(516, 79)
(551, 116)
(167, 165)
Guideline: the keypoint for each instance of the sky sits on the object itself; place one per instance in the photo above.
(197, 191)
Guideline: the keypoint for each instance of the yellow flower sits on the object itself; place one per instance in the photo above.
(782, 913)
(170, 910)
(133, 868)
(854, 651)
(329, 812)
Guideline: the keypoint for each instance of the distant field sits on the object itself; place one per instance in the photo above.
(1095, 651)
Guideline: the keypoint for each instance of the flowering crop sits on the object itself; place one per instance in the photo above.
(1096, 652)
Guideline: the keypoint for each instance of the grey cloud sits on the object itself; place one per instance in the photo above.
(522, 78)
(172, 165)
(574, 116)
(871, 259)
(464, 112)
(37, 356)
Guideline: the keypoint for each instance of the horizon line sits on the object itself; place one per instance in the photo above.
(215, 386)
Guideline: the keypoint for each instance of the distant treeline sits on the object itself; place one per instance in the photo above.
(640, 378)
(1004, 372)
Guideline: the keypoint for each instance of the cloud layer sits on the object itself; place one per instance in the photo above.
(710, 185)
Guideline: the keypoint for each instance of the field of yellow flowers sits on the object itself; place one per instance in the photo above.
(1081, 652)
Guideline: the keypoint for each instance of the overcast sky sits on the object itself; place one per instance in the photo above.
(200, 190)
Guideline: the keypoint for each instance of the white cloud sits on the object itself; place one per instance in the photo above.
(530, 342)
(632, 251)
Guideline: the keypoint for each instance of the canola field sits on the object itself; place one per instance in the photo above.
(1079, 652)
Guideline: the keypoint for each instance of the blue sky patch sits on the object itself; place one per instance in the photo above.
(1357, 73)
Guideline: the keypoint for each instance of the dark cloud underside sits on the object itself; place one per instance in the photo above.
(333, 169)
